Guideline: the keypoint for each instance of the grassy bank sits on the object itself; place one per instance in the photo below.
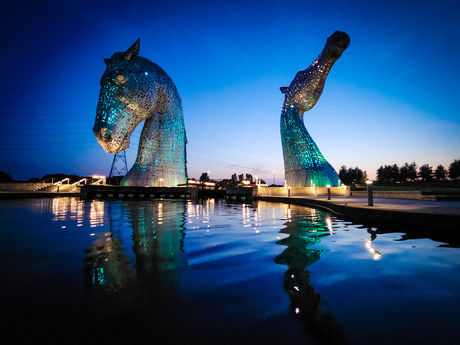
(435, 187)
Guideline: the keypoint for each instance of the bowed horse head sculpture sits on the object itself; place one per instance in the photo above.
(134, 89)
(304, 165)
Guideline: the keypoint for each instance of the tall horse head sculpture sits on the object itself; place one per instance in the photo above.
(304, 165)
(134, 89)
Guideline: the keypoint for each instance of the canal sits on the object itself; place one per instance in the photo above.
(176, 272)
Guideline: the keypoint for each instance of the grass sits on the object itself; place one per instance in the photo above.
(436, 187)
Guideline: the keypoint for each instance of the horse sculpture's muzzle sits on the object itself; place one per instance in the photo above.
(107, 140)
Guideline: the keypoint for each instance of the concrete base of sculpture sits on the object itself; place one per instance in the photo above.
(312, 177)
(147, 179)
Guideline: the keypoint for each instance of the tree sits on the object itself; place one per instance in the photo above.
(204, 177)
(4, 177)
(249, 177)
(388, 173)
(234, 178)
(440, 173)
(454, 169)
(426, 172)
(404, 173)
(407, 172)
(352, 175)
(412, 171)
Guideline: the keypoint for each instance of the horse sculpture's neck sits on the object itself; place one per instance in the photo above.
(304, 164)
(161, 155)
(134, 89)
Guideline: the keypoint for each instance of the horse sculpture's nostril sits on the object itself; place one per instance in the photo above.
(106, 134)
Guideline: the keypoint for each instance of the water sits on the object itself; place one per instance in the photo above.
(175, 272)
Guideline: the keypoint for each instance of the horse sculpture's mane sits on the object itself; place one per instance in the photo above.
(304, 165)
(134, 89)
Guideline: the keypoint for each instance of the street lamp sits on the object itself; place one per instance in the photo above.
(370, 196)
(328, 191)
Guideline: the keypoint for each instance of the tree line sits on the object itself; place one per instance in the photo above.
(402, 174)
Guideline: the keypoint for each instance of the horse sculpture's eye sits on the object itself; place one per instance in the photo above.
(120, 79)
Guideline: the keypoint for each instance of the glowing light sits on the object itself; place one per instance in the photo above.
(375, 254)
(329, 225)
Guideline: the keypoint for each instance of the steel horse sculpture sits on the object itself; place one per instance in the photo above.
(134, 89)
(304, 165)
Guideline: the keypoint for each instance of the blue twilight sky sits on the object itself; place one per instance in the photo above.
(391, 98)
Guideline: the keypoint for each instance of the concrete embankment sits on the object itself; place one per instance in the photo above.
(32, 195)
(435, 215)
(120, 192)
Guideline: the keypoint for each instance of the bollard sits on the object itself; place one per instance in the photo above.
(328, 192)
(370, 196)
(289, 192)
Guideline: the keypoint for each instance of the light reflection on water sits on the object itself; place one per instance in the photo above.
(248, 273)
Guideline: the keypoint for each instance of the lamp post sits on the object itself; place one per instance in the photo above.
(370, 196)
(289, 192)
(328, 191)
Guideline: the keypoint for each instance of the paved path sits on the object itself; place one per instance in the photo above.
(395, 205)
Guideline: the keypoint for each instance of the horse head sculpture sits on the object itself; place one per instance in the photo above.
(304, 165)
(134, 89)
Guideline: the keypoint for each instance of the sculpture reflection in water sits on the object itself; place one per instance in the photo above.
(114, 287)
(305, 231)
(158, 239)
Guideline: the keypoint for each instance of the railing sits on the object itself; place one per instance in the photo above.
(59, 183)
(95, 180)
(43, 183)
(78, 183)
(99, 179)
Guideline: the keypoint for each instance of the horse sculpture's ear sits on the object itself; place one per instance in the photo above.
(133, 51)
(107, 62)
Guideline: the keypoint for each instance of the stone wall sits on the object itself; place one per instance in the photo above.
(19, 186)
(299, 191)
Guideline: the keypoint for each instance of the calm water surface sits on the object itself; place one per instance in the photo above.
(174, 272)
